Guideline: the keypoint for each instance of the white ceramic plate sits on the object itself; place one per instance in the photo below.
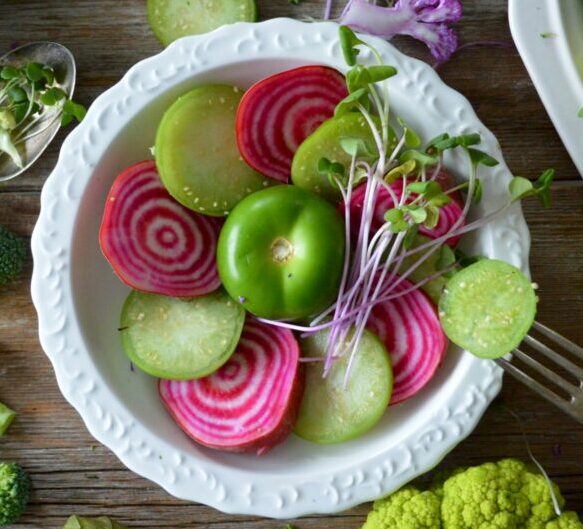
(78, 298)
(549, 37)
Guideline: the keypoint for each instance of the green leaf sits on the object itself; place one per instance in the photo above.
(352, 101)
(66, 118)
(17, 94)
(348, 42)
(381, 73)
(397, 219)
(409, 239)
(417, 213)
(52, 96)
(580, 113)
(478, 191)
(7, 146)
(481, 158)
(520, 187)
(34, 71)
(404, 169)
(362, 76)
(429, 187)
(421, 158)
(49, 75)
(432, 216)
(324, 165)
(72, 110)
(357, 147)
(7, 119)
(411, 137)
(465, 140)
(445, 258)
(19, 111)
(430, 147)
(543, 187)
(9, 72)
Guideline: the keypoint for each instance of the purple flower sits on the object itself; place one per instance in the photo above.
(424, 20)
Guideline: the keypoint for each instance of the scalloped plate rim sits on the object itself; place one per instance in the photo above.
(364, 481)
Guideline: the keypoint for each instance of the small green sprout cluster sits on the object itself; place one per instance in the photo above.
(31, 100)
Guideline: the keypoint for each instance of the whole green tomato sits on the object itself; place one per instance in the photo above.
(281, 253)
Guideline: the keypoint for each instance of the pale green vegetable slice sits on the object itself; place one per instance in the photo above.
(325, 143)
(172, 19)
(180, 339)
(488, 308)
(197, 155)
(331, 413)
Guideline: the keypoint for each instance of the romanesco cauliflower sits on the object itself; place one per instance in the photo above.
(503, 495)
(406, 509)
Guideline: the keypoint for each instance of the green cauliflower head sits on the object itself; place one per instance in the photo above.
(567, 520)
(12, 255)
(503, 495)
(408, 508)
(14, 492)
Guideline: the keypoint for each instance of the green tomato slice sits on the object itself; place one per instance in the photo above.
(180, 339)
(488, 308)
(197, 154)
(331, 413)
(325, 143)
(172, 19)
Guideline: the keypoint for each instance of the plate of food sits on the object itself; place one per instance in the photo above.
(549, 37)
(250, 258)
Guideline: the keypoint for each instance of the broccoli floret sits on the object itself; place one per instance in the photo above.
(103, 522)
(12, 255)
(408, 508)
(6, 418)
(14, 492)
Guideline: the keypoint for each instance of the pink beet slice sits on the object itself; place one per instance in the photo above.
(410, 329)
(248, 405)
(278, 113)
(153, 243)
(449, 214)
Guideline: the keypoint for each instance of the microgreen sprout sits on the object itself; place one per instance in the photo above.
(31, 100)
(408, 172)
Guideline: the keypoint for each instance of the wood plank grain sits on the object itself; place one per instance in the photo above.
(108, 39)
(72, 473)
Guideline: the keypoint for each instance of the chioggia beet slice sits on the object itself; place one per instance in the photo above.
(153, 243)
(448, 214)
(410, 329)
(251, 403)
(278, 113)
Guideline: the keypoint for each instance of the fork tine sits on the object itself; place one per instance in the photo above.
(568, 345)
(546, 372)
(536, 386)
(554, 356)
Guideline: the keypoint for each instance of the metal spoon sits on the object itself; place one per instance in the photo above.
(61, 60)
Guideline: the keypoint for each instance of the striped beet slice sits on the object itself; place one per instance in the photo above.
(410, 329)
(449, 213)
(278, 113)
(153, 243)
(251, 403)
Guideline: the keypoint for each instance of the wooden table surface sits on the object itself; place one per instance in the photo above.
(74, 475)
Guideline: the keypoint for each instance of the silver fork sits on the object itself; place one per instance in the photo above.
(573, 405)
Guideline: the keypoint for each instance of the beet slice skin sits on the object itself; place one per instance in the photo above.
(449, 213)
(278, 113)
(153, 243)
(410, 329)
(251, 403)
